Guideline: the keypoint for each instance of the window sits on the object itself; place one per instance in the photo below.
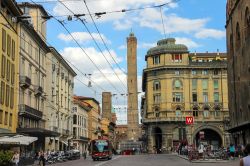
(61, 100)
(6, 118)
(177, 97)
(178, 113)
(204, 84)
(194, 72)
(29, 99)
(157, 85)
(7, 98)
(8, 70)
(177, 72)
(12, 74)
(156, 60)
(3, 66)
(30, 49)
(11, 98)
(176, 58)
(216, 96)
(194, 84)
(177, 84)
(10, 120)
(3, 40)
(2, 93)
(195, 112)
(206, 113)
(194, 97)
(205, 97)
(157, 114)
(13, 50)
(204, 72)
(216, 72)
(8, 45)
(216, 84)
(29, 71)
(217, 112)
(23, 41)
(36, 54)
(1, 116)
(157, 99)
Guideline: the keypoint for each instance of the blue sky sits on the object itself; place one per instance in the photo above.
(197, 23)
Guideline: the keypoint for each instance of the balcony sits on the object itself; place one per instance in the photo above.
(38, 90)
(24, 82)
(172, 116)
(27, 111)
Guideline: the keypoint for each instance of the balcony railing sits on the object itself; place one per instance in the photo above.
(38, 90)
(27, 111)
(173, 116)
(216, 64)
(24, 82)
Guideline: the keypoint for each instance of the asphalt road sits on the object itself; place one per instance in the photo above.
(143, 160)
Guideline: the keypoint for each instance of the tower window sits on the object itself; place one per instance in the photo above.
(177, 58)
(156, 60)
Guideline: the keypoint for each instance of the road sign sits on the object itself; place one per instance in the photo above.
(189, 120)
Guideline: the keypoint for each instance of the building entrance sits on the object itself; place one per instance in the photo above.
(158, 139)
(208, 137)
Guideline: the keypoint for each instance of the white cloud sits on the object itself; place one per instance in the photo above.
(122, 47)
(146, 45)
(151, 18)
(123, 25)
(210, 33)
(188, 42)
(82, 37)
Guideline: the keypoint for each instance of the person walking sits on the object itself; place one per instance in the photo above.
(246, 160)
(16, 158)
(42, 159)
(84, 155)
(232, 151)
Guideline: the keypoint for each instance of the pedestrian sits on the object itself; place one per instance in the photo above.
(16, 158)
(84, 155)
(246, 160)
(201, 150)
(232, 151)
(42, 159)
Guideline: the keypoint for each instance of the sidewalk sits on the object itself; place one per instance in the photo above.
(203, 160)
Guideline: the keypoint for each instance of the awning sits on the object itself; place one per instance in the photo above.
(17, 140)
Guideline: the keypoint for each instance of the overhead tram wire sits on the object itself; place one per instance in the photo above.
(95, 42)
(24, 40)
(60, 22)
(99, 14)
(104, 43)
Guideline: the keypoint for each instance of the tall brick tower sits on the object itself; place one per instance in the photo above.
(106, 105)
(132, 111)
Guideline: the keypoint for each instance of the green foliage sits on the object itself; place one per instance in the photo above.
(5, 158)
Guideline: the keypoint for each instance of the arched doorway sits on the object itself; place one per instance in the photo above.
(158, 139)
(208, 137)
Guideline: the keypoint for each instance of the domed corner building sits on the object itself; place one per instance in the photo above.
(179, 85)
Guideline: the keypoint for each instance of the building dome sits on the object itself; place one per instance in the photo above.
(167, 46)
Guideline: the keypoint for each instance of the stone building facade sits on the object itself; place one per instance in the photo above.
(9, 60)
(238, 48)
(177, 85)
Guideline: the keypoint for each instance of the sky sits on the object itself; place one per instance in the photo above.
(199, 24)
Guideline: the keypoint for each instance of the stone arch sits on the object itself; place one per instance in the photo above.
(208, 127)
(158, 138)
